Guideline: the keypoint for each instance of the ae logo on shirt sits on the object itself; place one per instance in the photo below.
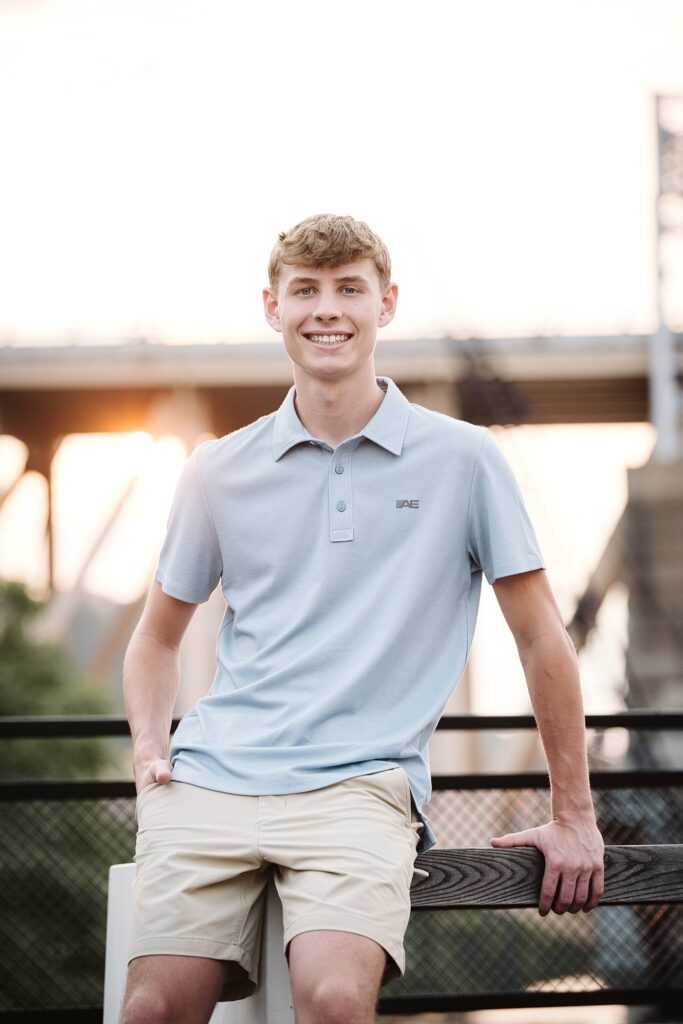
(407, 503)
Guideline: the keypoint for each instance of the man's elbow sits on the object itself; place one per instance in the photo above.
(548, 643)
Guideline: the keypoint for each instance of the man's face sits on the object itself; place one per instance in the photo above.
(329, 316)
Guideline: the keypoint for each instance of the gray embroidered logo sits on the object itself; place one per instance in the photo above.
(407, 503)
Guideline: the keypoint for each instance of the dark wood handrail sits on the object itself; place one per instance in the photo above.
(512, 877)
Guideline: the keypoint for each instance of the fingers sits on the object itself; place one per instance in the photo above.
(570, 892)
(560, 892)
(525, 838)
(580, 893)
(549, 885)
(157, 771)
(161, 771)
(596, 890)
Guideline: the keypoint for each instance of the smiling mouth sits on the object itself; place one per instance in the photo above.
(327, 339)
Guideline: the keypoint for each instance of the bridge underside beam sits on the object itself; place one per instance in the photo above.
(36, 415)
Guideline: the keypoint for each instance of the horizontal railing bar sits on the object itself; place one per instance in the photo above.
(55, 1015)
(66, 789)
(48, 726)
(630, 719)
(511, 878)
(635, 778)
(96, 789)
(663, 997)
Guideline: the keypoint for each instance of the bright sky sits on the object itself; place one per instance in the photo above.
(505, 151)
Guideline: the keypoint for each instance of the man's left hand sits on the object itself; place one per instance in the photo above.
(574, 873)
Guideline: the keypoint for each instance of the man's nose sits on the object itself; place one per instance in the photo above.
(327, 307)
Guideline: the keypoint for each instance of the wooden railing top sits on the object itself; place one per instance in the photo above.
(512, 877)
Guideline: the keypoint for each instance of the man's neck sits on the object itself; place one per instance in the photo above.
(335, 410)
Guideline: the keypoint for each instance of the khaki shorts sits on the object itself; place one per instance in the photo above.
(342, 859)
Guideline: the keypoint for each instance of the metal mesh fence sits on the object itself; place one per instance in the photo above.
(54, 861)
(55, 856)
(504, 951)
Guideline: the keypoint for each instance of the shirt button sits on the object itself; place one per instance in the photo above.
(341, 506)
(339, 468)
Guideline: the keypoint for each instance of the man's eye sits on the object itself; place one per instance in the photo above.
(307, 290)
(350, 289)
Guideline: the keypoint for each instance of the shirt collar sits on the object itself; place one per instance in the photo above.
(386, 428)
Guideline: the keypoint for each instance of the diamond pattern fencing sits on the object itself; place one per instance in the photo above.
(512, 951)
(54, 861)
(55, 855)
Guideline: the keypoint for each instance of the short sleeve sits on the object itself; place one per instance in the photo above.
(190, 563)
(500, 537)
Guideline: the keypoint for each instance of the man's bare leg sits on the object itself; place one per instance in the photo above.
(335, 977)
(171, 990)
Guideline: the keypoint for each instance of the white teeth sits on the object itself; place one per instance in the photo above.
(329, 339)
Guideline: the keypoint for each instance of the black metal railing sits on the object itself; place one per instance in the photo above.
(59, 838)
(35, 726)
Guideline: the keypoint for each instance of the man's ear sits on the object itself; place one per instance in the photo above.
(271, 308)
(388, 307)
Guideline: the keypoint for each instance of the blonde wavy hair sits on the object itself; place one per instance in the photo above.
(328, 240)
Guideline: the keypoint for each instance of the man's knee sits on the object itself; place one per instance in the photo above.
(171, 990)
(146, 1006)
(338, 1001)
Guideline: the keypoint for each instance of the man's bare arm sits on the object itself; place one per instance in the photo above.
(570, 842)
(150, 682)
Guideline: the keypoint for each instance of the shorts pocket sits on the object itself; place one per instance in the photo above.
(395, 781)
(406, 794)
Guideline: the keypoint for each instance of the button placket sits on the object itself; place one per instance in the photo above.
(340, 498)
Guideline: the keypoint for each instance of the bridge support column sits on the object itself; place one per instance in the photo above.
(654, 575)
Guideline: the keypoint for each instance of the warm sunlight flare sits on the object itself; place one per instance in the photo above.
(93, 475)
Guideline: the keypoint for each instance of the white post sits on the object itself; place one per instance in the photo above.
(119, 921)
(271, 1003)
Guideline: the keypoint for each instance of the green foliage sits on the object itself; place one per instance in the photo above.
(54, 854)
(55, 858)
(39, 679)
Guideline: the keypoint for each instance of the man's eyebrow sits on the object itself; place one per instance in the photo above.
(346, 279)
(302, 280)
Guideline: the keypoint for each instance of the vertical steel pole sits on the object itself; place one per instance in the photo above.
(664, 388)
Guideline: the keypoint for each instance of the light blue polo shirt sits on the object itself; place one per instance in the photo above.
(352, 578)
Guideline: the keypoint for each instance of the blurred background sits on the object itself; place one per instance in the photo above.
(524, 164)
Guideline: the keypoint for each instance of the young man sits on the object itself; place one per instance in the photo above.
(350, 530)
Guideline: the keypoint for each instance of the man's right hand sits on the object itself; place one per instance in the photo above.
(154, 771)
